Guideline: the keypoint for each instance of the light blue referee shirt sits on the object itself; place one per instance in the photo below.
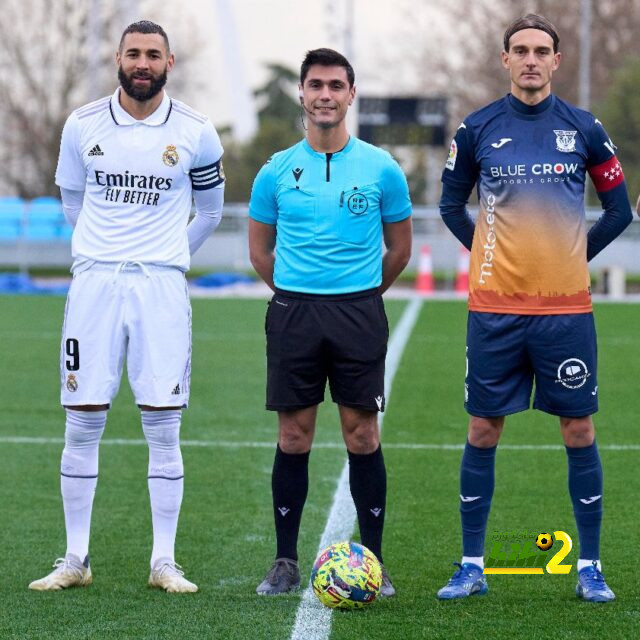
(328, 209)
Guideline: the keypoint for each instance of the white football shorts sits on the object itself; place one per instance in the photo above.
(130, 311)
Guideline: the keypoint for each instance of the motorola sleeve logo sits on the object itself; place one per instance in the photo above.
(357, 203)
(572, 373)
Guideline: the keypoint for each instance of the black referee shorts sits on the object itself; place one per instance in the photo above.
(315, 338)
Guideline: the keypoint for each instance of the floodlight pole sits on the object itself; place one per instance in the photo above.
(584, 74)
(245, 119)
(584, 78)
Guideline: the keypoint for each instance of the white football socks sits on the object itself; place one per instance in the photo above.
(165, 478)
(478, 561)
(79, 475)
(587, 563)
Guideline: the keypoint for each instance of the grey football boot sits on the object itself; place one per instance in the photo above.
(283, 577)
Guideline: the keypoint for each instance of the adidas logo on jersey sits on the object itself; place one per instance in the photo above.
(96, 151)
(176, 390)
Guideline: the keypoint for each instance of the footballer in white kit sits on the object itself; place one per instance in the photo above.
(130, 166)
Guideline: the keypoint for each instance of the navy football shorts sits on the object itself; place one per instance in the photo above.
(315, 338)
(506, 353)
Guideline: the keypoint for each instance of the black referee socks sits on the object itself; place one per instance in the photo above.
(368, 482)
(289, 486)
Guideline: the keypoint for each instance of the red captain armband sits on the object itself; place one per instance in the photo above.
(607, 175)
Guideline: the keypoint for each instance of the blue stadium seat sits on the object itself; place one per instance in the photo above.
(45, 219)
(66, 231)
(11, 215)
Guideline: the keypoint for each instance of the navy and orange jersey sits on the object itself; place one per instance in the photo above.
(529, 249)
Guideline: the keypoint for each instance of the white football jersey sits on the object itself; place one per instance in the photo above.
(137, 177)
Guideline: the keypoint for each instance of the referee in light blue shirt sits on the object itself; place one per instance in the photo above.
(319, 214)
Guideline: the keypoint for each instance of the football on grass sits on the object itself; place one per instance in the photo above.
(544, 541)
(346, 575)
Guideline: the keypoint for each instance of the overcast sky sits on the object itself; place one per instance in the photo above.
(282, 31)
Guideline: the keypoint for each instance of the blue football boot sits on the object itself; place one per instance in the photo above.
(591, 585)
(466, 581)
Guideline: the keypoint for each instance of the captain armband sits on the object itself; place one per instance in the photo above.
(203, 178)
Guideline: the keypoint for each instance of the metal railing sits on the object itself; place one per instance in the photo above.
(227, 248)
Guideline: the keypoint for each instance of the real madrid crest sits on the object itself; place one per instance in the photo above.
(72, 383)
(170, 156)
(565, 140)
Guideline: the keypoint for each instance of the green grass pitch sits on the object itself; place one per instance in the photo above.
(225, 538)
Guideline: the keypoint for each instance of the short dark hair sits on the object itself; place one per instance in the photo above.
(326, 58)
(532, 21)
(145, 26)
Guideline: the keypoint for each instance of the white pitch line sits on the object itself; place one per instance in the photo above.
(230, 444)
(313, 621)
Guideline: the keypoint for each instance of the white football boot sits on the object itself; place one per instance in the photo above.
(69, 571)
(168, 575)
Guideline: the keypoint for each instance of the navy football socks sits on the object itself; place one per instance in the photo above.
(477, 480)
(585, 489)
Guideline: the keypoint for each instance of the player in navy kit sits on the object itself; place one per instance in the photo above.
(530, 313)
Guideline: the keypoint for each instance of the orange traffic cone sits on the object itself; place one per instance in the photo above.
(462, 277)
(424, 281)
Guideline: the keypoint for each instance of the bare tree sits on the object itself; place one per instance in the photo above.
(54, 57)
(463, 60)
(45, 48)
(620, 110)
(453, 49)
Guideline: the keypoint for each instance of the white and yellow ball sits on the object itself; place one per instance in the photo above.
(346, 575)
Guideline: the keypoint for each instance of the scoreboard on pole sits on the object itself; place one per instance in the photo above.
(403, 121)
